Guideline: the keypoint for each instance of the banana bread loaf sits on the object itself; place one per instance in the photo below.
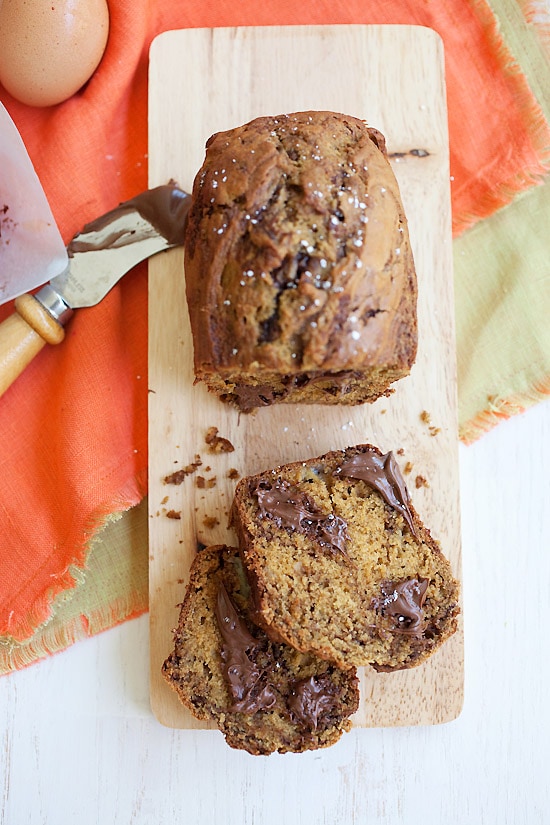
(300, 279)
(340, 564)
(264, 696)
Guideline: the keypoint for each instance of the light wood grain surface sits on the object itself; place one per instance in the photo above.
(79, 743)
(203, 81)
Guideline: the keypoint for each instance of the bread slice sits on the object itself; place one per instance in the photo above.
(264, 696)
(340, 563)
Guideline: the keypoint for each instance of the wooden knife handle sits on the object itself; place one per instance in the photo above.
(23, 335)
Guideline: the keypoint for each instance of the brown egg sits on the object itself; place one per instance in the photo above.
(50, 48)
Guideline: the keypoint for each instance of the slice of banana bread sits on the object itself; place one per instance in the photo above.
(264, 696)
(340, 563)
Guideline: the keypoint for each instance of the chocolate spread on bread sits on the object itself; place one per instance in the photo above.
(404, 601)
(249, 690)
(311, 699)
(382, 473)
(290, 507)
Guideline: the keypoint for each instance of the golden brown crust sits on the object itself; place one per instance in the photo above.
(298, 264)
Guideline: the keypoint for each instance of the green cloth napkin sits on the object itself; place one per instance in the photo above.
(502, 268)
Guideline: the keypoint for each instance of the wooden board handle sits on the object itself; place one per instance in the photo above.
(23, 335)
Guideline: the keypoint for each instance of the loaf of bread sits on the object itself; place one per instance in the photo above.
(300, 280)
(264, 696)
(340, 564)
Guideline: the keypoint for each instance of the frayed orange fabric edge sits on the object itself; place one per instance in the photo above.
(41, 610)
(500, 409)
(17, 656)
(490, 202)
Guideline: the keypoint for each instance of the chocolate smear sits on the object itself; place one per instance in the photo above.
(311, 699)
(289, 507)
(247, 685)
(164, 207)
(382, 473)
(404, 601)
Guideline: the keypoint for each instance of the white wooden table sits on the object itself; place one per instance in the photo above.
(80, 745)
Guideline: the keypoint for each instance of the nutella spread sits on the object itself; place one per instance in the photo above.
(382, 473)
(290, 507)
(404, 601)
(164, 207)
(250, 396)
(311, 699)
(249, 690)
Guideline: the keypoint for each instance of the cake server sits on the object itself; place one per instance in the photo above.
(97, 257)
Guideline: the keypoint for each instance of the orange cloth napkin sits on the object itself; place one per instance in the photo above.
(73, 428)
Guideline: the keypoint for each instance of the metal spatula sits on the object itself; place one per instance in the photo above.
(83, 273)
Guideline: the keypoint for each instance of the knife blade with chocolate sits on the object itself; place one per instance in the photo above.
(98, 257)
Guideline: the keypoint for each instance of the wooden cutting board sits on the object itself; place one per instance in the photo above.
(203, 81)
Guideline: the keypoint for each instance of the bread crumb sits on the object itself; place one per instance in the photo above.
(217, 443)
(401, 451)
(165, 500)
(173, 514)
(233, 473)
(205, 483)
(426, 418)
(178, 476)
(210, 522)
(408, 467)
(420, 481)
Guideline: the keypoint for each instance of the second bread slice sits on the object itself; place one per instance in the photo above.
(340, 563)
